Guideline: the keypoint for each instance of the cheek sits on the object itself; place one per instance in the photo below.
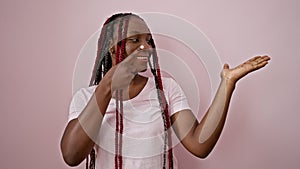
(113, 60)
(130, 49)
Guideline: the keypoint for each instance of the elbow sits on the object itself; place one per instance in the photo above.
(69, 155)
(71, 163)
(202, 155)
(70, 159)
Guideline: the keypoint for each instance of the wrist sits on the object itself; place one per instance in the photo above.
(104, 88)
(229, 82)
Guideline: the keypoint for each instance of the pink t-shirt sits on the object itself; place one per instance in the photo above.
(143, 136)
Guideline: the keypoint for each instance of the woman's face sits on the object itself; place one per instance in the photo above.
(138, 35)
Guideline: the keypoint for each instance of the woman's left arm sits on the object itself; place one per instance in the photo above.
(200, 138)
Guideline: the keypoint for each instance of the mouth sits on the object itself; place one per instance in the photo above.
(144, 58)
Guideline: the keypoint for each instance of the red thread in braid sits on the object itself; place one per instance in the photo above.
(96, 64)
(120, 55)
(162, 94)
(117, 139)
(159, 94)
(166, 111)
(117, 133)
(97, 71)
(121, 129)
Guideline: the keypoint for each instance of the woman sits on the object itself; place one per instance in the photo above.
(120, 98)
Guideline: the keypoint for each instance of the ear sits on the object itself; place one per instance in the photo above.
(112, 50)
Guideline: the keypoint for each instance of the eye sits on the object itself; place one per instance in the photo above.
(149, 41)
(134, 40)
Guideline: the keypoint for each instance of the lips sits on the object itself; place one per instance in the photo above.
(143, 58)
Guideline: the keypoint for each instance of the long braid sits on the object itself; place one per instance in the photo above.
(117, 133)
(97, 76)
(117, 139)
(155, 69)
(102, 51)
(167, 116)
(102, 64)
(120, 55)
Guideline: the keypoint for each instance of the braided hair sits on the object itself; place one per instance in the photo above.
(102, 65)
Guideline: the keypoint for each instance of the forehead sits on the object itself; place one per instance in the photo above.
(137, 26)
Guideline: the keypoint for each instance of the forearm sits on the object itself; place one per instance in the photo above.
(217, 112)
(208, 131)
(81, 133)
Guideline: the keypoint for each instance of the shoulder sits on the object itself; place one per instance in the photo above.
(168, 80)
(85, 92)
(169, 83)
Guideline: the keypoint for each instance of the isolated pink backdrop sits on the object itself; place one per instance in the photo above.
(40, 42)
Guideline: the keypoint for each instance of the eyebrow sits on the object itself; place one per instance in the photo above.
(138, 33)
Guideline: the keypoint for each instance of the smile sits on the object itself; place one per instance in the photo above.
(143, 57)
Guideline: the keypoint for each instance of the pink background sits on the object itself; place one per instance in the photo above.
(40, 41)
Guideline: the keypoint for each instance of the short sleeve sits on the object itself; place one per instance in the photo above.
(79, 101)
(176, 97)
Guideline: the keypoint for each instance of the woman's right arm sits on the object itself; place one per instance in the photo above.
(77, 140)
(80, 133)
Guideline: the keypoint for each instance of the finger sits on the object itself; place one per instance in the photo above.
(266, 57)
(258, 58)
(254, 58)
(260, 65)
(262, 59)
(133, 56)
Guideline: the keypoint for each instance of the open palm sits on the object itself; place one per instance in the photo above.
(234, 74)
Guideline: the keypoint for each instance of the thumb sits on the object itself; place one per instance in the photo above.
(226, 66)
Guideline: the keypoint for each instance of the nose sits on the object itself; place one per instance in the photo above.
(146, 49)
(146, 45)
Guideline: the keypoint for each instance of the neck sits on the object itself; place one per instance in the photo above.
(136, 85)
(137, 80)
